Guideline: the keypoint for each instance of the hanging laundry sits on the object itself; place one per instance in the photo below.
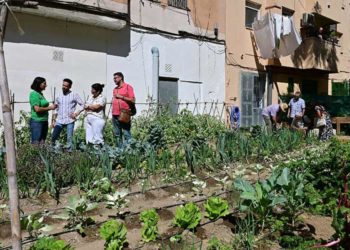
(276, 35)
(287, 25)
(290, 42)
(265, 35)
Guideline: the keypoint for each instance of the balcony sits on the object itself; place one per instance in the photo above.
(316, 53)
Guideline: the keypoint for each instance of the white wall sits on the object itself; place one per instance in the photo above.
(92, 55)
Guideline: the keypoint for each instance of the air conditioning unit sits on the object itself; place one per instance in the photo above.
(308, 20)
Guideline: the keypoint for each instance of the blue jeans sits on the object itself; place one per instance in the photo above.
(38, 131)
(57, 131)
(121, 129)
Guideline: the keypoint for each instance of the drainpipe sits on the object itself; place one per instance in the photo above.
(155, 74)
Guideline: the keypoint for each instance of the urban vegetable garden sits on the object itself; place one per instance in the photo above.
(183, 182)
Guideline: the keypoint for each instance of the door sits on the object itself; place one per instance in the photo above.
(168, 93)
(252, 98)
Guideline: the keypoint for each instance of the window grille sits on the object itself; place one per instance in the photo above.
(182, 4)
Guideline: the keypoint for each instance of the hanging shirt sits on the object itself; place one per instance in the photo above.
(66, 105)
(265, 35)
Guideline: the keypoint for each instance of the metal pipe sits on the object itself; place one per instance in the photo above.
(155, 74)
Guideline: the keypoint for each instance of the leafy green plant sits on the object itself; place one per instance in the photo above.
(114, 233)
(188, 216)
(341, 225)
(149, 219)
(100, 189)
(216, 207)
(292, 188)
(34, 224)
(260, 199)
(50, 243)
(215, 244)
(76, 213)
(116, 200)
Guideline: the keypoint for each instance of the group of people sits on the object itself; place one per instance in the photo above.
(69, 105)
(300, 117)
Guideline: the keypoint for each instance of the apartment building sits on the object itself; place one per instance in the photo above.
(90, 40)
(319, 66)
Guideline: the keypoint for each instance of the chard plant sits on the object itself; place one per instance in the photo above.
(149, 219)
(50, 243)
(215, 208)
(114, 233)
(34, 224)
(188, 216)
(76, 214)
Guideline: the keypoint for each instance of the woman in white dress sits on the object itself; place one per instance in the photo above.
(95, 115)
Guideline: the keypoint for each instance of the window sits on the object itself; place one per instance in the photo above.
(251, 12)
(252, 98)
(181, 4)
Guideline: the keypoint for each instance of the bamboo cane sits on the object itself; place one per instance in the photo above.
(9, 140)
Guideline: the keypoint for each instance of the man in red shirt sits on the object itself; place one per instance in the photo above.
(123, 97)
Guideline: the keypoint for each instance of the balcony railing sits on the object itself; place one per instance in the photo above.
(181, 4)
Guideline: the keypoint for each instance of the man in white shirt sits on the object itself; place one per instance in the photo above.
(296, 106)
(66, 113)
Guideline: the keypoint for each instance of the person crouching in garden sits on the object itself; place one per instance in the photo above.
(39, 111)
(270, 114)
(95, 115)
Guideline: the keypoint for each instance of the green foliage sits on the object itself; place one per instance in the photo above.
(99, 189)
(178, 128)
(114, 233)
(149, 219)
(215, 244)
(260, 199)
(297, 242)
(215, 207)
(50, 243)
(22, 129)
(292, 188)
(76, 214)
(34, 224)
(188, 216)
(341, 225)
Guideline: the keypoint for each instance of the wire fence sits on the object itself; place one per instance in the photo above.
(220, 110)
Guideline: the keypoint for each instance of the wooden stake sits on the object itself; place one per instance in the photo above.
(9, 140)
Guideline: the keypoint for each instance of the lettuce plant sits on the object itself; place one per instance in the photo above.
(50, 243)
(188, 216)
(215, 208)
(114, 233)
(149, 219)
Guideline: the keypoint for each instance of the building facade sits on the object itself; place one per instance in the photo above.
(320, 62)
(88, 41)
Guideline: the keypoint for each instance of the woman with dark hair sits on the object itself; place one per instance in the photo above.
(95, 115)
(39, 111)
(323, 123)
